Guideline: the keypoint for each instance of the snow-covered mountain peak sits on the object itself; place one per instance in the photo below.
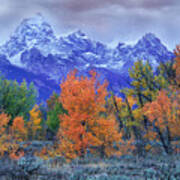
(150, 37)
(34, 26)
(148, 40)
(32, 32)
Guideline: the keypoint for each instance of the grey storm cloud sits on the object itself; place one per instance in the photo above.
(105, 20)
(87, 5)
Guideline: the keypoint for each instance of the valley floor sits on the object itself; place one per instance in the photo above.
(116, 168)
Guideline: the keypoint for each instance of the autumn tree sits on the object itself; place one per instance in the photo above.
(84, 127)
(18, 129)
(10, 136)
(163, 111)
(144, 86)
(34, 123)
(145, 83)
(129, 119)
(4, 120)
(164, 116)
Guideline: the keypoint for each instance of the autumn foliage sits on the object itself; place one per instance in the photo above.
(164, 117)
(10, 135)
(34, 122)
(85, 117)
(164, 112)
(84, 126)
(19, 131)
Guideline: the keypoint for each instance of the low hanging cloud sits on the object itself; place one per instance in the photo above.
(105, 20)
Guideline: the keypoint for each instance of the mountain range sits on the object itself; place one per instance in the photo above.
(35, 53)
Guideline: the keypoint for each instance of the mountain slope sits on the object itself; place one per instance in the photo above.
(44, 86)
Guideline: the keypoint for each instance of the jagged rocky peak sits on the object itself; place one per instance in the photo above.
(34, 27)
(79, 34)
(76, 36)
(121, 46)
(76, 41)
(34, 31)
(149, 39)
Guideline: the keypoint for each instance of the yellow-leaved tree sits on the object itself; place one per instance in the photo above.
(34, 124)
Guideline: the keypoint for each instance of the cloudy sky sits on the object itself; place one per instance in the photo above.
(109, 21)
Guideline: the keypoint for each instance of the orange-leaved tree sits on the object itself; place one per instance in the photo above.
(4, 120)
(85, 126)
(10, 136)
(164, 117)
(18, 129)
